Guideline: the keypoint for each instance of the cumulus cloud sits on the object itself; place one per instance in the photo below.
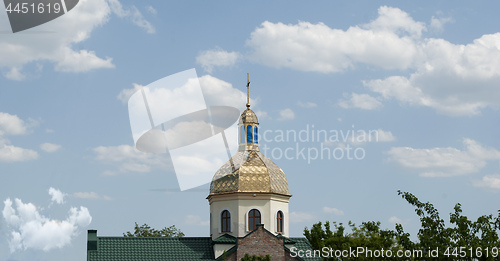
(57, 195)
(489, 182)
(216, 92)
(360, 137)
(445, 162)
(15, 73)
(334, 211)
(76, 26)
(386, 42)
(437, 23)
(286, 114)
(219, 92)
(13, 125)
(210, 59)
(11, 153)
(453, 79)
(50, 147)
(301, 217)
(133, 14)
(29, 229)
(360, 101)
(125, 94)
(73, 27)
(128, 159)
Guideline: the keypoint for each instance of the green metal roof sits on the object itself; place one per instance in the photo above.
(169, 248)
(152, 249)
(301, 243)
(225, 239)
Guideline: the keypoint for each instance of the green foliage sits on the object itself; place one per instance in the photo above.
(474, 238)
(247, 257)
(465, 240)
(367, 235)
(147, 231)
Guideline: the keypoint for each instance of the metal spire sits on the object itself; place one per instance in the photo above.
(248, 91)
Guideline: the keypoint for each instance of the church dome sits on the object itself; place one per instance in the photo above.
(249, 171)
(248, 116)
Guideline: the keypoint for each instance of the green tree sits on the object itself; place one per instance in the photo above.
(368, 235)
(463, 240)
(147, 231)
(466, 240)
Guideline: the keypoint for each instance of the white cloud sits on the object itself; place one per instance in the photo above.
(90, 195)
(216, 92)
(193, 220)
(133, 14)
(361, 101)
(128, 159)
(10, 153)
(489, 181)
(334, 211)
(383, 136)
(32, 230)
(360, 137)
(75, 26)
(215, 58)
(262, 114)
(445, 162)
(11, 125)
(386, 42)
(125, 94)
(222, 93)
(82, 61)
(301, 217)
(307, 104)
(57, 195)
(15, 74)
(437, 24)
(395, 220)
(286, 114)
(453, 79)
(50, 147)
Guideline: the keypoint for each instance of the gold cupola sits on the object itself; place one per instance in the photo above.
(249, 189)
(249, 170)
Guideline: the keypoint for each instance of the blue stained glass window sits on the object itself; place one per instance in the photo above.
(256, 135)
(242, 135)
(249, 134)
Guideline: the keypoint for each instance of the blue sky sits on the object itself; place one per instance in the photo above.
(423, 75)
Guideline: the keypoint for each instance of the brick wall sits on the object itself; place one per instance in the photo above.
(261, 243)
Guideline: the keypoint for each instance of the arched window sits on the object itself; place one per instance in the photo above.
(242, 135)
(255, 135)
(225, 219)
(249, 134)
(279, 222)
(253, 219)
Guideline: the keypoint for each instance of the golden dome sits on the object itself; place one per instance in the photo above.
(249, 171)
(248, 116)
